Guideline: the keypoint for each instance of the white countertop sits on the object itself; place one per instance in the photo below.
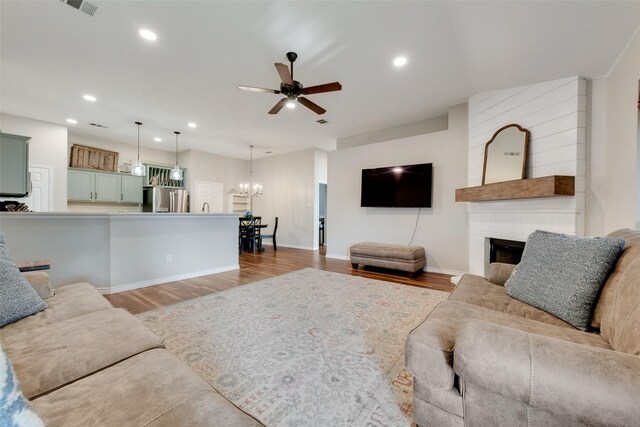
(114, 215)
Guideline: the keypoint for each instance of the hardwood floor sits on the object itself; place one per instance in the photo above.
(254, 267)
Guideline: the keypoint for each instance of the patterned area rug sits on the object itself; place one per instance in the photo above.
(308, 348)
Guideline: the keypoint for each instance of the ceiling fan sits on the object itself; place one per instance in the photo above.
(292, 89)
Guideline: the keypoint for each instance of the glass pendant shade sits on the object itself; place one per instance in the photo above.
(138, 169)
(176, 174)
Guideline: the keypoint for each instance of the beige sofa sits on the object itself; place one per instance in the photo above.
(482, 358)
(82, 362)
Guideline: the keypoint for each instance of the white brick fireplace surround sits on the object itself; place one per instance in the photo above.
(555, 114)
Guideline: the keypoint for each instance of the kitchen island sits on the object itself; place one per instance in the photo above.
(116, 252)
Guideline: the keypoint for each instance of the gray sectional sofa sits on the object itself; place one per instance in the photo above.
(82, 362)
(482, 358)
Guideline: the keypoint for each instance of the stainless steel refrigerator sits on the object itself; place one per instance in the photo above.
(163, 199)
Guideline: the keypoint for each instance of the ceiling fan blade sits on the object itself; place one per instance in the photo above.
(257, 89)
(311, 105)
(283, 71)
(276, 108)
(327, 87)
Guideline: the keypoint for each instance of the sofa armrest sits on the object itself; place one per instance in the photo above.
(591, 385)
(39, 280)
(499, 272)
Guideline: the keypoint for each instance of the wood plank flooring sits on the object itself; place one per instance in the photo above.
(254, 267)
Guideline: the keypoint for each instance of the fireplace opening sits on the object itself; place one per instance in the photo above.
(507, 251)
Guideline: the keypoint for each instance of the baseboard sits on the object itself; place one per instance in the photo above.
(334, 256)
(286, 245)
(428, 269)
(444, 271)
(166, 279)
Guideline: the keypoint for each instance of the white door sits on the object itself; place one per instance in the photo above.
(40, 198)
(211, 193)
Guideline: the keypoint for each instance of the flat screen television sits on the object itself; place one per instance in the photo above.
(406, 186)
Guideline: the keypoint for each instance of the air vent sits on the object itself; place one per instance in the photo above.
(322, 121)
(268, 152)
(82, 5)
(98, 125)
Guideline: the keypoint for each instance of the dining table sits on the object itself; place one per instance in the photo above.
(249, 234)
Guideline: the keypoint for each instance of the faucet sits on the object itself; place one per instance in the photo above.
(207, 205)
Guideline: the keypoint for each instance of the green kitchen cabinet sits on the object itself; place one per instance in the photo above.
(81, 185)
(14, 165)
(131, 189)
(103, 187)
(108, 188)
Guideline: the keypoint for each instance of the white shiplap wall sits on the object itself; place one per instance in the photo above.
(555, 114)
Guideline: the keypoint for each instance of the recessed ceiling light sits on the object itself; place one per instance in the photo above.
(156, 139)
(192, 125)
(90, 98)
(397, 169)
(291, 104)
(400, 61)
(72, 121)
(147, 34)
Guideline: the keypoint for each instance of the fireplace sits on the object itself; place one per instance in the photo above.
(507, 251)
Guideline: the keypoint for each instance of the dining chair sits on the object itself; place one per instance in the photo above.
(273, 236)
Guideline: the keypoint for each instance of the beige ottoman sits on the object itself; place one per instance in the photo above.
(397, 257)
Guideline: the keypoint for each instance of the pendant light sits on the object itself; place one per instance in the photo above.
(138, 169)
(249, 188)
(176, 173)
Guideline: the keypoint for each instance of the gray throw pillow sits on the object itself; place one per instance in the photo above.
(563, 275)
(17, 298)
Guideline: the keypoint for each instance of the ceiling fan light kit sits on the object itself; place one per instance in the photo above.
(293, 89)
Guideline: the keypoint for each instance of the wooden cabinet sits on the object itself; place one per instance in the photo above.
(103, 187)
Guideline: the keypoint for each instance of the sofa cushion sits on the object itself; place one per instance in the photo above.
(430, 346)
(54, 355)
(563, 274)
(136, 392)
(479, 291)
(39, 280)
(17, 298)
(68, 302)
(15, 410)
(621, 323)
(631, 252)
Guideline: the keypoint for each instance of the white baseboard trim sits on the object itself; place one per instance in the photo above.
(166, 279)
(428, 269)
(334, 256)
(444, 271)
(286, 245)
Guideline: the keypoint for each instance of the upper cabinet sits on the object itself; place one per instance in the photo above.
(104, 187)
(14, 165)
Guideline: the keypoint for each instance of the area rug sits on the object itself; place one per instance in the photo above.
(308, 348)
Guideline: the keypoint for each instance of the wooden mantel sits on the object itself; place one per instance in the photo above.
(547, 186)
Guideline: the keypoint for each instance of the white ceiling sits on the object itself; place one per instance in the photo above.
(52, 54)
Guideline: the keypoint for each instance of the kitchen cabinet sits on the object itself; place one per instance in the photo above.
(103, 187)
(14, 165)
(131, 189)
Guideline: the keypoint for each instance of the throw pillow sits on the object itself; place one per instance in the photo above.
(563, 275)
(17, 298)
(14, 408)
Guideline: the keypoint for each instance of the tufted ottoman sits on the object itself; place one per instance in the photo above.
(397, 257)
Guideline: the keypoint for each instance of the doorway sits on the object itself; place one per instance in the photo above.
(322, 214)
(209, 197)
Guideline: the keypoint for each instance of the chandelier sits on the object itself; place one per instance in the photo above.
(250, 188)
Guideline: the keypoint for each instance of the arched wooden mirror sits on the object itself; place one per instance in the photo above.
(505, 155)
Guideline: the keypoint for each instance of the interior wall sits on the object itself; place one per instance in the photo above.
(441, 230)
(47, 147)
(289, 192)
(203, 166)
(638, 171)
(613, 134)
